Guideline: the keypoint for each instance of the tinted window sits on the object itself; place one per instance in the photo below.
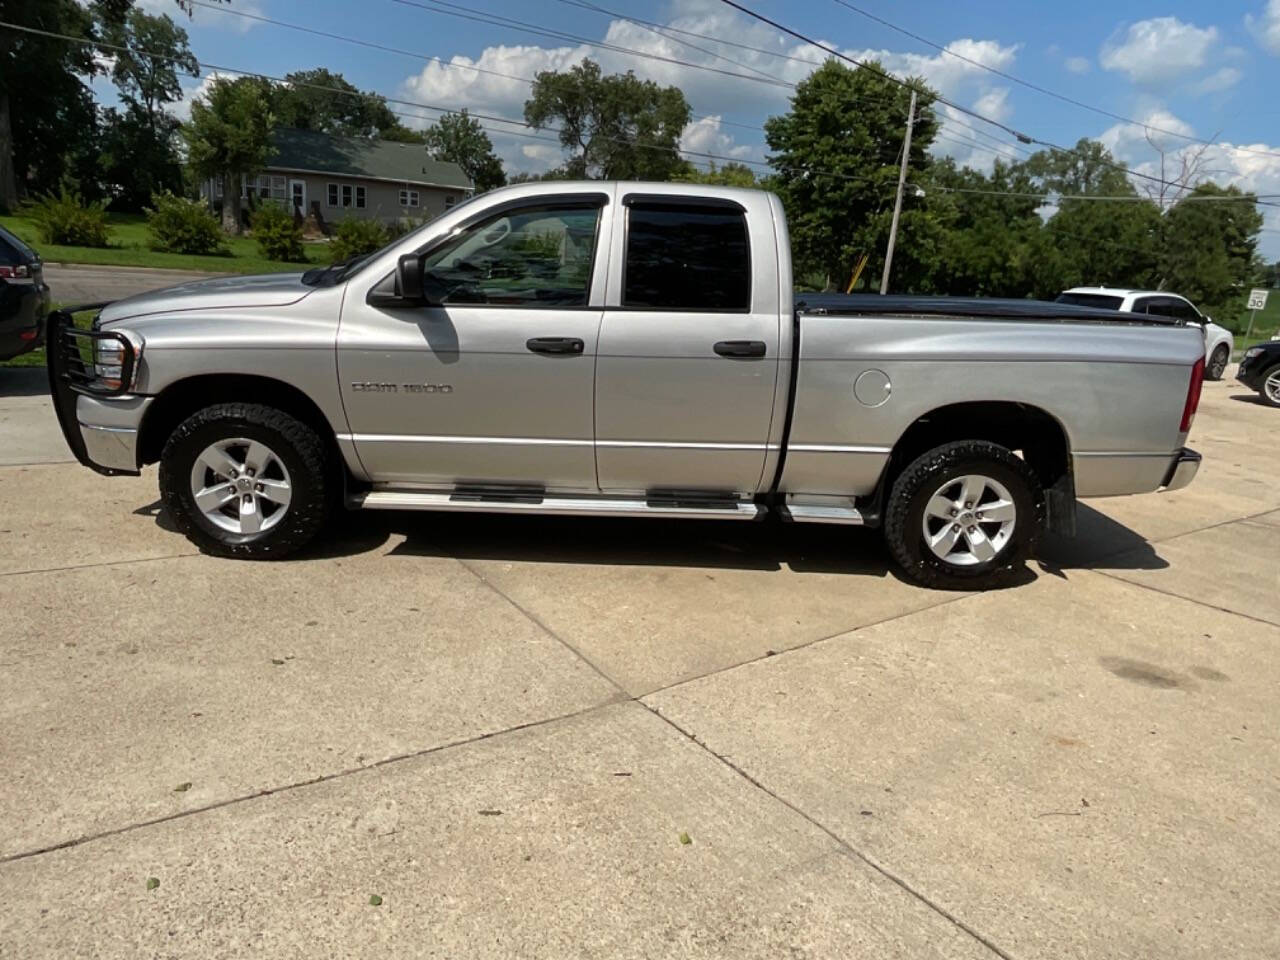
(13, 249)
(687, 258)
(537, 256)
(1171, 307)
(1101, 301)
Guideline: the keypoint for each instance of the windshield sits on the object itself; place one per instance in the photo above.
(1100, 300)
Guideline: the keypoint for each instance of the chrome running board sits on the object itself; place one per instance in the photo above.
(539, 503)
(822, 513)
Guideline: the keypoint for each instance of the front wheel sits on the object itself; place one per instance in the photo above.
(1217, 365)
(1270, 389)
(246, 480)
(964, 516)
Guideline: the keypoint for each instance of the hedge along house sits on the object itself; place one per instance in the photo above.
(339, 177)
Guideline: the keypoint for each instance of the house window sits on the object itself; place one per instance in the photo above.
(331, 199)
(346, 194)
(360, 198)
(265, 187)
(449, 201)
(279, 188)
(408, 198)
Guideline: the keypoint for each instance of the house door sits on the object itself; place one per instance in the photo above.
(298, 195)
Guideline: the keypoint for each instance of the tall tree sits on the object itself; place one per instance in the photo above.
(229, 137)
(327, 102)
(47, 114)
(1210, 248)
(732, 174)
(459, 139)
(837, 154)
(614, 127)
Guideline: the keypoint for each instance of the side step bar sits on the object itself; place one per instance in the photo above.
(570, 506)
(822, 513)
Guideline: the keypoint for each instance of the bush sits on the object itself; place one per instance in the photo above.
(279, 238)
(354, 238)
(178, 225)
(66, 219)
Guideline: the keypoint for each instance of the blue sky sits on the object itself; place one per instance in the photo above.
(1207, 70)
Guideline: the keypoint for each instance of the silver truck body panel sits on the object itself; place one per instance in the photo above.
(430, 399)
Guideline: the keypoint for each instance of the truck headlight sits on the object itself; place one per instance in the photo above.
(109, 361)
(1252, 352)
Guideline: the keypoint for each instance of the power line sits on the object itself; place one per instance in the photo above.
(1039, 89)
(879, 71)
(1260, 199)
(441, 7)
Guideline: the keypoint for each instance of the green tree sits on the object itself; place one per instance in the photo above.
(732, 174)
(1209, 249)
(48, 122)
(837, 156)
(229, 137)
(614, 127)
(327, 102)
(459, 139)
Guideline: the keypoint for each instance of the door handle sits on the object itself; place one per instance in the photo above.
(740, 348)
(555, 345)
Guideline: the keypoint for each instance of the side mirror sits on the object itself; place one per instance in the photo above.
(409, 278)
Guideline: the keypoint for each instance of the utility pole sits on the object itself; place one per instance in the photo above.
(897, 207)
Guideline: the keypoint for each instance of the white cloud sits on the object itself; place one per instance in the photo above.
(1218, 81)
(1266, 26)
(714, 96)
(195, 90)
(1159, 50)
(1078, 64)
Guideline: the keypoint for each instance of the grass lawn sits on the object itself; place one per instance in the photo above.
(129, 249)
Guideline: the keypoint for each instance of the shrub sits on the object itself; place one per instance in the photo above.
(353, 238)
(66, 219)
(179, 225)
(279, 238)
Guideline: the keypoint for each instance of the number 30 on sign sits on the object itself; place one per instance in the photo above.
(1257, 300)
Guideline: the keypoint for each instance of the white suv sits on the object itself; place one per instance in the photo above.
(1218, 341)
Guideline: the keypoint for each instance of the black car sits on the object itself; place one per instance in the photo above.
(1260, 370)
(24, 298)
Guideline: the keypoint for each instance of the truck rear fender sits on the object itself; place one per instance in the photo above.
(1034, 434)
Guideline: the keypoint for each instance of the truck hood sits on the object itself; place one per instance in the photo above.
(270, 290)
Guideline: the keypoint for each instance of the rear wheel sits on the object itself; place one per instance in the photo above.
(964, 516)
(246, 480)
(1217, 365)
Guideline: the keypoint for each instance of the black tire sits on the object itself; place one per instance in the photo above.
(912, 490)
(1217, 365)
(1262, 386)
(314, 486)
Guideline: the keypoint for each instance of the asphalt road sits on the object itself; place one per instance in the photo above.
(74, 283)
(504, 729)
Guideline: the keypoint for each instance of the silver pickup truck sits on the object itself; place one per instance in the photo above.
(624, 349)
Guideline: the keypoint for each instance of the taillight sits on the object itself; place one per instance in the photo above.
(19, 272)
(1193, 395)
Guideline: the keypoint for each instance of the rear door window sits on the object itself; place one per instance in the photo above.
(686, 257)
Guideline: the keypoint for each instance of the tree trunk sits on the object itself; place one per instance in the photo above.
(8, 180)
(231, 204)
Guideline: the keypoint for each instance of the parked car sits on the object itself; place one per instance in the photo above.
(1260, 370)
(24, 297)
(625, 350)
(1218, 341)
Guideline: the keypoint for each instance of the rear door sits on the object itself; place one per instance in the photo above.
(688, 355)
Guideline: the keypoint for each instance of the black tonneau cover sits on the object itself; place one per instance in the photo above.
(977, 308)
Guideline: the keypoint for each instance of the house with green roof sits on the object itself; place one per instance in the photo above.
(332, 178)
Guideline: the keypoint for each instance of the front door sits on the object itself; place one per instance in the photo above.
(493, 387)
(298, 195)
(689, 346)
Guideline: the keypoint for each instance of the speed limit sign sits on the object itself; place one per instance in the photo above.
(1257, 300)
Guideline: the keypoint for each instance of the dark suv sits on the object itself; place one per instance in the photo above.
(24, 298)
(1260, 370)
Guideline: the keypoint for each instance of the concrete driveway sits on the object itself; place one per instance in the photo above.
(506, 728)
(79, 283)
